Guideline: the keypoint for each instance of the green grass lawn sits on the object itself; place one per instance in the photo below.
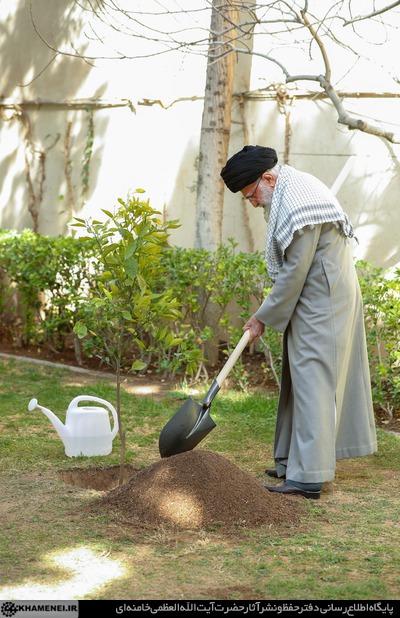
(53, 547)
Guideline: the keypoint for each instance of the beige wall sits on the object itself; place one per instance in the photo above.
(156, 148)
(363, 170)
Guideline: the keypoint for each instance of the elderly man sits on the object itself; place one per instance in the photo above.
(325, 407)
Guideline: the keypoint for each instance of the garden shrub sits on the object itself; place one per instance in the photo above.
(235, 283)
(42, 277)
(126, 316)
(381, 295)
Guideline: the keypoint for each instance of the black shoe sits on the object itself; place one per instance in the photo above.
(272, 472)
(295, 491)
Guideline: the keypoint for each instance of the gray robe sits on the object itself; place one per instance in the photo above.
(325, 408)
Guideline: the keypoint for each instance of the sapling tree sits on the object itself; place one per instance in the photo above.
(126, 313)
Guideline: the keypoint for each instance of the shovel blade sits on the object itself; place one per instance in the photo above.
(185, 429)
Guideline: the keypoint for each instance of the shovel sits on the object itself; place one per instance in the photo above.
(193, 422)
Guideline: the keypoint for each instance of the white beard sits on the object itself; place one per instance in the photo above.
(266, 210)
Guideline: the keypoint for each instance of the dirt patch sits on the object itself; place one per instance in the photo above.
(389, 422)
(100, 479)
(199, 489)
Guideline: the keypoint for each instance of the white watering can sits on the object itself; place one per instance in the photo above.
(87, 429)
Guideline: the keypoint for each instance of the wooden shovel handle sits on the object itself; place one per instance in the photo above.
(233, 358)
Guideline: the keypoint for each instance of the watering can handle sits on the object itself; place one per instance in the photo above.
(233, 358)
(105, 403)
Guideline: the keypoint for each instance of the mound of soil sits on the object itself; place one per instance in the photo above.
(199, 489)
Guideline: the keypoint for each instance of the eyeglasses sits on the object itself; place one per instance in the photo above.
(250, 197)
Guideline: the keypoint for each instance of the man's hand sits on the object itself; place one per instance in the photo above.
(255, 327)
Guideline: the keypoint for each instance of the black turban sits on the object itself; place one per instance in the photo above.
(247, 165)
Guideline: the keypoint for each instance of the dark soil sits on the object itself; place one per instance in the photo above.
(100, 479)
(199, 489)
(252, 362)
(192, 490)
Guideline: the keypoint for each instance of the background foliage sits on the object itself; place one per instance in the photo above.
(44, 281)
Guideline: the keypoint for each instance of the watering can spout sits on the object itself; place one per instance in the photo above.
(60, 428)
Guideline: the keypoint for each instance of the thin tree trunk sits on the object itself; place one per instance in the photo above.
(215, 128)
(120, 428)
(214, 142)
(215, 134)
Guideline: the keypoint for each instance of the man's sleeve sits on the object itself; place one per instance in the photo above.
(277, 309)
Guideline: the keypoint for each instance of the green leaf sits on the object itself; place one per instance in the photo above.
(142, 283)
(108, 213)
(80, 329)
(131, 267)
(177, 341)
(130, 249)
(138, 365)
(108, 294)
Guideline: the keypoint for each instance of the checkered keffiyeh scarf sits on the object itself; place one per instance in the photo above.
(299, 199)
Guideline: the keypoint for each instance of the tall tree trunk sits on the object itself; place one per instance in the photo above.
(216, 123)
(214, 144)
(242, 83)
